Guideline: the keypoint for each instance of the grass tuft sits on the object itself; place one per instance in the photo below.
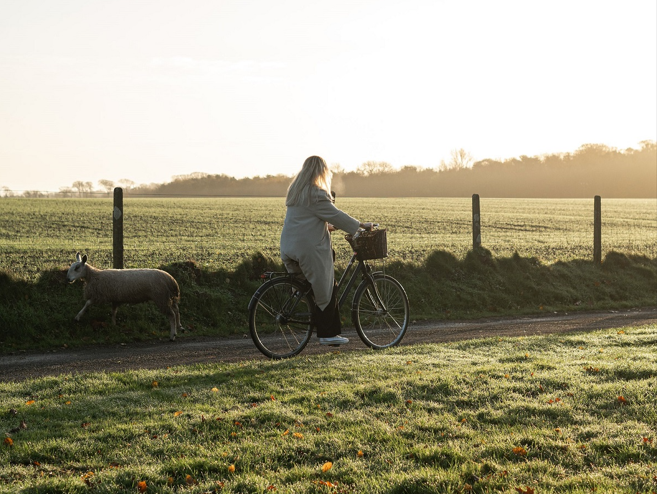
(40, 314)
(553, 413)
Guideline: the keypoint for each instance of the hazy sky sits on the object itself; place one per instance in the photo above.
(146, 90)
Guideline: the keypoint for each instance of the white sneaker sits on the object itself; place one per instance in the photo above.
(333, 341)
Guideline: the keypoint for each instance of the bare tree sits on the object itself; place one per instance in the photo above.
(336, 168)
(66, 192)
(79, 186)
(459, 159)
(33, 194)
(374, 167)
(126, 184)
(108, 185)
(7, 192)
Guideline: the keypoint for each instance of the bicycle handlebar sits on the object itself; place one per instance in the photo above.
(373, 227)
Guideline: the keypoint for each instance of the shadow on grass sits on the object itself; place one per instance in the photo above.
(40, 315)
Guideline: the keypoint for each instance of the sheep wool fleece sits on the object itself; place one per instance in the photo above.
(306, 242)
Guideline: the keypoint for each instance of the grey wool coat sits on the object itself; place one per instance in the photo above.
(306, 242)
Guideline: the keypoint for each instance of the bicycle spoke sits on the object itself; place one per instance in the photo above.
(279, 320)
(381, 313)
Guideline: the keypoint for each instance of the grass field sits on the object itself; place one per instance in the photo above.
(537, 257)
(43, 234)
(569, 413)
(552, 414)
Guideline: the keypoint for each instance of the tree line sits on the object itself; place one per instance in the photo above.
(594, 169)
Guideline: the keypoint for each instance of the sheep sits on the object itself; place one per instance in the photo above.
(127, 286)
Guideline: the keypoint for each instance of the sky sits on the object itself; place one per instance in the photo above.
(146, 90)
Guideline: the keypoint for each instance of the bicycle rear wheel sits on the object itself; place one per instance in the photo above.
(381, 321)
(280, 318)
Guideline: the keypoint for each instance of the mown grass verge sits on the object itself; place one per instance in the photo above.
(39, 315)
(551, 414)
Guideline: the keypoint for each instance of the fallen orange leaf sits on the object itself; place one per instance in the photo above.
(359, 454)
(176, 414)
(327, 466)
(622, 399)
(231, 468)
(8, 441)
(29, 402)
(520, 451)
(526, 490)
(86, 478)
(141, 486)
(298, 435)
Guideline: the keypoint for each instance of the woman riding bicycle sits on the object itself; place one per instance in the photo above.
(306, 242)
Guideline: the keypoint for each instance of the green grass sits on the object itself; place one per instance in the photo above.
(537, 259)
(44, 234)
(489, 415)
(214, 303)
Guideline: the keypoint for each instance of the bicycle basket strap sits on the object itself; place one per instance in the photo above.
(369, 245)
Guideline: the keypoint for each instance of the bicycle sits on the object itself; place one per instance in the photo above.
(280, 311)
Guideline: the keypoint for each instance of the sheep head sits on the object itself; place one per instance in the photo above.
(77, 271)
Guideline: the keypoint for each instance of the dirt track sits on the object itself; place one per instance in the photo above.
(189, 350)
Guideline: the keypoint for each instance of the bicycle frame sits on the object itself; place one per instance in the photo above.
(354, 267)
(361, 267)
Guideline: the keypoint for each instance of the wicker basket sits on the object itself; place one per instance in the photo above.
(369, 245)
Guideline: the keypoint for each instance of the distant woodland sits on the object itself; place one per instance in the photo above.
(593, 169)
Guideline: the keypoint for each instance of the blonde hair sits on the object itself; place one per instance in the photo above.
(314, 172)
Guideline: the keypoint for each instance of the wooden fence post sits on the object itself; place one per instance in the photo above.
(476, 222)
(117, 251)
(597, 230)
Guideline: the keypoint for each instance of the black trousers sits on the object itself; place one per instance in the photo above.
(327, 322)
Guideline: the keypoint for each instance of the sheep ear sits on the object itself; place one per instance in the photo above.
(77, 257)
(84, 259)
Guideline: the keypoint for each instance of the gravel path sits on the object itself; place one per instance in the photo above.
(190, 350)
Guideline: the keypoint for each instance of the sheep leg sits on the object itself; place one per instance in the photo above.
(172, 320)
(176, 311)
(86, 305)
(115, 308)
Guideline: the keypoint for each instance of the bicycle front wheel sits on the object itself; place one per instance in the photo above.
(380, 312)
(280, 318)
